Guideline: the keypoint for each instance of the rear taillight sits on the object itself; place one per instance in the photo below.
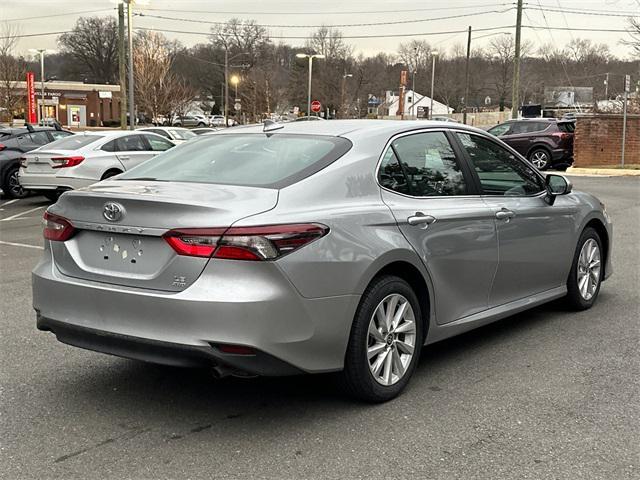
(245, 243)
(65, 162)
(561, 135)
(2, 147)
(57, 228)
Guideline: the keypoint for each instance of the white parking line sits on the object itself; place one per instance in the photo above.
(9, 202)
(17, 215)
(25, 245)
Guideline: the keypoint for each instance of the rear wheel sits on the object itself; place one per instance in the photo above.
(52, 195)
(385, 341)
(11, 185)
(540, 158)
(585, 277)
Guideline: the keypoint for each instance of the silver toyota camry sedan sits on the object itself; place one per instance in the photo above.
(306, 247)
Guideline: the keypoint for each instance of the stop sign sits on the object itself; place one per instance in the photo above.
(316, 106)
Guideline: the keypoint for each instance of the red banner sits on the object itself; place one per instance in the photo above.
(31, 99)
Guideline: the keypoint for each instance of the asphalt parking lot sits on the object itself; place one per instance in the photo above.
(544, 394)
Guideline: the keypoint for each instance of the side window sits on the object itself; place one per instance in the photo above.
(500, 129)
(390, 174)
(131, 143)
(40, 138)
(109, 146)
(500, 172)
(161, 132)
(57, 134)
(25, 140)
(429, 165)
(158, 144)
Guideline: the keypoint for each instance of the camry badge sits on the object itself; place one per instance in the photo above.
(113, 211)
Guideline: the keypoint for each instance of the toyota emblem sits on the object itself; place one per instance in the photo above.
(113, 211)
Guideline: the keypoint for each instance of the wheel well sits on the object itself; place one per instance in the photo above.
(414, 278)
(539, 147)
(598, 226)
(110, 173)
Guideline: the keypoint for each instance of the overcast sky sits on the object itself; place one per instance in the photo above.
(294, 13)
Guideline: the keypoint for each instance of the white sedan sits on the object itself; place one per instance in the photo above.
(81, 160)
(177, 135)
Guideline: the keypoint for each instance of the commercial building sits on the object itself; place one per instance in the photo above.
(76, 104)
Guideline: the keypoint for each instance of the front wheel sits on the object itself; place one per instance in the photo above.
(540, 158)
(385, 341)
(585, 277)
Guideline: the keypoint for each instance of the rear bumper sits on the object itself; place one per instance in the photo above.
(164, 352)
(47, 181)
(562, 156)
(230, 303)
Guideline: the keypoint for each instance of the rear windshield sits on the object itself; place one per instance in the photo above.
(73, 142)
(568, 127)
(181, 134)
(260, 160)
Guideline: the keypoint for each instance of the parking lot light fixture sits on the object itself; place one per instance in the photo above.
(434, 55)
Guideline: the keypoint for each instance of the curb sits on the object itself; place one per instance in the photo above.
(605, 172)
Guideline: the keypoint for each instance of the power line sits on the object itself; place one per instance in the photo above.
(340, 25)
(223, 12)
(297, 37)
(57, 15)
(44, 34)
(580, 12)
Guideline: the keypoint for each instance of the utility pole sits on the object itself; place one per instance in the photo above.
(132, 113)
(226, 86)
(122, 68)
(606, 87)
(434, 54)
(627, 86)
(42, 84)
(466, 78)
(309, 87)
(515, 100)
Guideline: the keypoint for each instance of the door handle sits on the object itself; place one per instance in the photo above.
(124, 157)
(505, 214)
(421, 219)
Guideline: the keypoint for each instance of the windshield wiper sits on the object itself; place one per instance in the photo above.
(149, 179)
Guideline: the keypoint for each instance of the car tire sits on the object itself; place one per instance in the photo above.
(11, 184)
(52, 195)
(587, 267)
(540, 158)
(201, 124)
(393, 344)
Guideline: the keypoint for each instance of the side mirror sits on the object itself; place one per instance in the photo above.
(556, 185)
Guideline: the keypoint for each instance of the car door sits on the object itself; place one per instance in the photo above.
(534, 238)
(433, 199)
(132, 150)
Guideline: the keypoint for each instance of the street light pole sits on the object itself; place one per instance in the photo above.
(433, 79)
(310, 57)
(413, 81)
(41, 52)
(466, 79)
(226, 86)
(132, 120)
(344, 81)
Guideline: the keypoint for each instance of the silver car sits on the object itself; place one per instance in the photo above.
(343, 246)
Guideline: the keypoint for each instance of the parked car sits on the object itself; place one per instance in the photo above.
(217, 121)
(306, 118)
(305, 247)
(444, 119)
(177, 135)
(547, 143)
(86, 158)
(15, 142)
(204, 130)
(190, 121)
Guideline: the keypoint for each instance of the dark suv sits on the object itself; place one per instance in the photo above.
(545, 142)
(14, 142)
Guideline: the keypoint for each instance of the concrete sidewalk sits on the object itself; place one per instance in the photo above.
(608, 172)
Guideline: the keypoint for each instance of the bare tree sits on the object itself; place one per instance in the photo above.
(12, 70)
(634, 33)
(159, 90)
(93, 44)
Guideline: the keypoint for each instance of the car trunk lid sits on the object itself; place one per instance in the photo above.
(130, 249)
(40, 161)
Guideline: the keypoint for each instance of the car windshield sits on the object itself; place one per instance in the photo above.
(73, 142)
(261, 160)
(181, 134)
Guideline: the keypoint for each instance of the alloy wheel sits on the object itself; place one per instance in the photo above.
(391, 339)
(15, 189)
(539, 159)
(589, 269)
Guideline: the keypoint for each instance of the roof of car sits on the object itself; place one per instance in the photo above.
(162, 128)
(348, 127)
(22, 130)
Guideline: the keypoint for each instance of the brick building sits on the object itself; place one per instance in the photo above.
(77, 104)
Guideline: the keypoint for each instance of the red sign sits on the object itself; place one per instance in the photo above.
(316, 106)
(31, 99)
